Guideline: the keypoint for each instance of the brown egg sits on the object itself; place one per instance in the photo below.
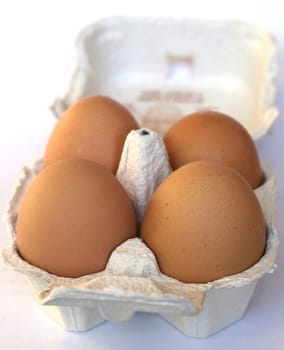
(93, 128)
(217, 137)
(203, 223)
(72, 216)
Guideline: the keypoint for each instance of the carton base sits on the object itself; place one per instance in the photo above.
(222, 307)
(73, 318)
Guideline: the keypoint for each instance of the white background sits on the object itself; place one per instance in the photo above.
(36, 59)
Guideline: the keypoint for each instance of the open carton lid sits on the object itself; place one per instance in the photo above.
(162, 69)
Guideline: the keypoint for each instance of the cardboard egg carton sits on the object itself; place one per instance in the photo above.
(224, 66)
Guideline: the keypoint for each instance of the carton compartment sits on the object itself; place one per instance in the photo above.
(132, 281)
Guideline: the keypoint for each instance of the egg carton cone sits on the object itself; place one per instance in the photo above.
(226, 66)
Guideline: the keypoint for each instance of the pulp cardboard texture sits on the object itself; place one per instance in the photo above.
(221, 65)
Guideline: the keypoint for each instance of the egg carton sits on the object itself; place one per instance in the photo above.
(224, 66)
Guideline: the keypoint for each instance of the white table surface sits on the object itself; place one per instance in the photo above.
(37, 57)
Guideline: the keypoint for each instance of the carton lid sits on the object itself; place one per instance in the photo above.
(165, 68)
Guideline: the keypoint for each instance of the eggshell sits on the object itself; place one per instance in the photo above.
(74, 213)
(204, 222)
(94, 128)
(213, 136)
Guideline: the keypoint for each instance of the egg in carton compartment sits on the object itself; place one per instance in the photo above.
(226, 66)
